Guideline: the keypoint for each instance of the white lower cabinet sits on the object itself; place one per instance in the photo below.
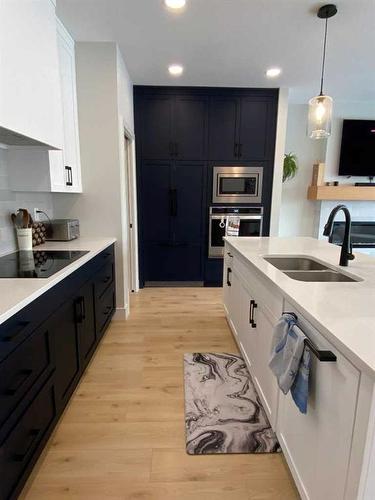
(252, 325)
(317, 445)
(265, 382)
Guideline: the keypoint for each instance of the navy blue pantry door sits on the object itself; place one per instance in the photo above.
(171, 221)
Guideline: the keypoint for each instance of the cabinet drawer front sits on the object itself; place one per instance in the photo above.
(14, 331)
(104, 279)
(105, 307)
(107, 255)
(21, 370)
(18, 448)
(264, 292)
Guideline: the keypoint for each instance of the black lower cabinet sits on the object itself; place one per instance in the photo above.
(84, 309)
(44, 350)
(65, 331)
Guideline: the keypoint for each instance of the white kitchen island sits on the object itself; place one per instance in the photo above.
(331, 449)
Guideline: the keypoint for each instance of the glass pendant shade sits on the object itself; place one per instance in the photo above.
(320, 116)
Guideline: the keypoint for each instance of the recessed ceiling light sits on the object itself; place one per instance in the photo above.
(175, 4)
(176, 69)
(273, 72)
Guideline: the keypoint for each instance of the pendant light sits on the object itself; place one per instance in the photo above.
(320, 107)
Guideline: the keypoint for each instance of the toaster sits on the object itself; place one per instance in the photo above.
(63, 230)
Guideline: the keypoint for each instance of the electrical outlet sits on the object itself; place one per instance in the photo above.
(36, 215)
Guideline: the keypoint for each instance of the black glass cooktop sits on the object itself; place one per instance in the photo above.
(36, 263)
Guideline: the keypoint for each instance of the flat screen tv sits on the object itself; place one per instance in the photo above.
(357, 155)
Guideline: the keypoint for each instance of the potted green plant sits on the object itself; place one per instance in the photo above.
(290, 166)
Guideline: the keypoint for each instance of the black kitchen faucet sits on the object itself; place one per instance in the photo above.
(346, 246)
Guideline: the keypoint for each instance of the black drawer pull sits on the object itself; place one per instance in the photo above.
(229, 270)
(20, 379)
(107, 254)
(106, 279)
(253, 305)
(107, 310)
(32, 437)
(12, 336)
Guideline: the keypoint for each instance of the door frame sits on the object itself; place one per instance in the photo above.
(129, 221)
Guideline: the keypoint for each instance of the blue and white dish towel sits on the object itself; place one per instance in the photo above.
(290, 360)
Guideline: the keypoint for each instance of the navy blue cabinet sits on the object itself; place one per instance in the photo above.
(223, 128)
(182, 133)
(241, 128)
(156, 131)
(172, 127)
(44, 350)
(84, 311)
(65, 333)
(171, 222)
(190, 127)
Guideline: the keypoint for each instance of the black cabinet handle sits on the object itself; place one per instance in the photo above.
(240, 150)
(173, 202)
(20, 379)
(235, 149)
(32, 437)
(69, 182)
(229, 270)
(106, 279)
(107, 310)
(253, 305)
(229, 254)
(80, 309)
(10, 337)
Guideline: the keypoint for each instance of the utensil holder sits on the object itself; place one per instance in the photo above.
(24, 238)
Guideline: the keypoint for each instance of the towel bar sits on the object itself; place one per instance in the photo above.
(326, 356)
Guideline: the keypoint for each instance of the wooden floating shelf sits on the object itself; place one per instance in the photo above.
(343, 192)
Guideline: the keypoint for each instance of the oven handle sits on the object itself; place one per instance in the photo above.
(244, 217)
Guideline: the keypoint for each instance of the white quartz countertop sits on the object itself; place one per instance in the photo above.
(343, 312)
(16, 293)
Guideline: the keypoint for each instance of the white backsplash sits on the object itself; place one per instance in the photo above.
(11, 200)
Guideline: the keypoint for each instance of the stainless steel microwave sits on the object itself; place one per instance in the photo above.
(237, 184)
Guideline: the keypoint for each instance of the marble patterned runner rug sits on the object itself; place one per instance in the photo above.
(223, 413)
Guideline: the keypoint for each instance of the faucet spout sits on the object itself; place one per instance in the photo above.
(346, 247)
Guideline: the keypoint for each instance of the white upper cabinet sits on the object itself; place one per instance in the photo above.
(30, 97)
(34, 169)
(65, 165)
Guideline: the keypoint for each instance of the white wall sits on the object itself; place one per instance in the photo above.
(10, 201)
(101, 79)
(281, 128)
(297, 216)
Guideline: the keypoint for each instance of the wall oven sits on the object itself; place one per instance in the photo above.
(237, 184)
(251, 219)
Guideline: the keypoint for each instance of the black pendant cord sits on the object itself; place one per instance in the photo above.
(324, 57)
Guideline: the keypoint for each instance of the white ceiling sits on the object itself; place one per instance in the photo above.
(233, 42)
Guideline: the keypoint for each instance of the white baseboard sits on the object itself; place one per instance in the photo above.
(121, 314)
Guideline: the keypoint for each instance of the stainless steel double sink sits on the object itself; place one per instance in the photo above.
(308, 269)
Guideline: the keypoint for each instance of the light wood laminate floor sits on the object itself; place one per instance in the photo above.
(122, 435)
